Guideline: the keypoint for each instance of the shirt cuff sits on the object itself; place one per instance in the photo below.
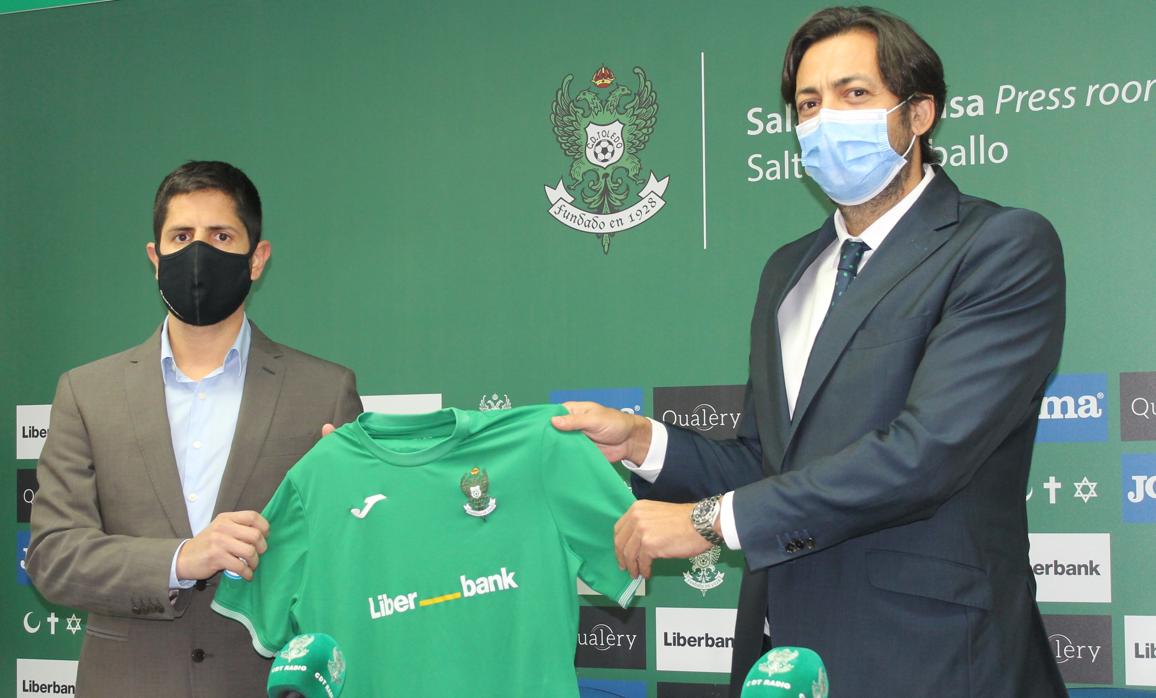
(726, 521)
(175, 583)
(651, 467)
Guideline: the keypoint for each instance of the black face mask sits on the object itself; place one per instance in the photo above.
(202, 285)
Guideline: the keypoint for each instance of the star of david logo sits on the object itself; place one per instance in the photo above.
(73, 623)
(1085, 490)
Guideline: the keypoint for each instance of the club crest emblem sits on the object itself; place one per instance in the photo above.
(603, 137)
(297, 648)
(703, 575)
(475, 485)
(336, 666)
(493, 402)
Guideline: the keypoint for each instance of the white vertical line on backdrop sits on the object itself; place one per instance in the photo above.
(702, 89)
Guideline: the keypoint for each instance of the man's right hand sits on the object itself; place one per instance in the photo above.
(620, 436)
(234, 541)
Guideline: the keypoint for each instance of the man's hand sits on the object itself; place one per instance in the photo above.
(650, 530)
(618, 435)
(327, 429)
(234, 541)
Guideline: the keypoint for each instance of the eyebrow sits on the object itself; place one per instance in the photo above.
(841, 82)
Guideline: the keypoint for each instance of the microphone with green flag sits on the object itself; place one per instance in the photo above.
(787, 672)
(308, 666)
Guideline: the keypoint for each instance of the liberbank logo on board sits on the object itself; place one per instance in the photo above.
(711, 410)
(694, 639)
(611, 638)
(1082, 646)
(1074, 408)
(1140, 650)
(36, 678)
(603, 130)
(1072, 567)
(31, 430)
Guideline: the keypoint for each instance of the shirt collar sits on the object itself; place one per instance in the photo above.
(877, 231)
(236, 359)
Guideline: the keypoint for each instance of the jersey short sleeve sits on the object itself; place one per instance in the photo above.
(586, 498)
(265, 604)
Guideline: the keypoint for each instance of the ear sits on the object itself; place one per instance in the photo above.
(259, 259)
(922, 114)
(151, 251)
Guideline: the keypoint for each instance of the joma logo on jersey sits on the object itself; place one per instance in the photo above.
(1073, 409)
(385, 605)
(603, 137)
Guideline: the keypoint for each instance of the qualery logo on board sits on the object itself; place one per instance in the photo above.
(1140, 650)
(628, 400)
(611, 638)
(1082, 646)
(1072, 567)
(31, 430)
(1074, 408)
(26, 486)
(603, 130)
(1139, 487)
(711, 410)
(36, 678)
(694, 639)
(1138, 406)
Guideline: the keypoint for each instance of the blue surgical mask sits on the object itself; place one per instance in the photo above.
(848, 153)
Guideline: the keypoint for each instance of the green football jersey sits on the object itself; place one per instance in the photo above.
(440, 550)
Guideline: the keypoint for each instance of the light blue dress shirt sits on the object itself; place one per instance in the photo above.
(202, 420)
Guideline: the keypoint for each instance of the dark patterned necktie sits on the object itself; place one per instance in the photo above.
(849, 258)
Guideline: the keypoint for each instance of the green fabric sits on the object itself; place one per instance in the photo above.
(787, 672)
(363, 580)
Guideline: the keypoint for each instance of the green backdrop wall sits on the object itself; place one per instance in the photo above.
(403, 151)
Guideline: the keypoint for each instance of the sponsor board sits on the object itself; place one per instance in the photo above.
(1140, 650)
(628, 400)
(1139, 487)
(31, 430)
(694, 639)
(1082, 646)
(691, 690)
(22, 538)
(1138, 406)
(36, 678)
(712, 410)
(419, 403)
(603, 688)
(1074, 408)
(26, 486)
(611, 638)
(1072, 567)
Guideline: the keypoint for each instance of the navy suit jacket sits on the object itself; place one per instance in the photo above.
(885, 525)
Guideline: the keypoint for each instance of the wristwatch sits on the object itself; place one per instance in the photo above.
(703, 516)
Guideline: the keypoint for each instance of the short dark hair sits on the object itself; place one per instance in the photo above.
(909, 66)
(202, 175)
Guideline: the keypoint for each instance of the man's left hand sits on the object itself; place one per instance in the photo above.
(650, 530)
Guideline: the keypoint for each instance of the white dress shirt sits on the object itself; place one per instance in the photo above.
(202, 421)
(799, 317)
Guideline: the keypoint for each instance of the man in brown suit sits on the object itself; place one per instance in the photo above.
(160, 457)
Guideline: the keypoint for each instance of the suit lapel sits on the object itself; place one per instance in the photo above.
(145, 392)
(921, 231)
(264, 375)
(779, 414)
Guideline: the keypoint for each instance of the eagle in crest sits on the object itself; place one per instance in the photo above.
(603, 137)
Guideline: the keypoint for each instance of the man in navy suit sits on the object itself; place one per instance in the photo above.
(899, 354)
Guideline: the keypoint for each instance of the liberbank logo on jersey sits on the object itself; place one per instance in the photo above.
(603, 130)
(1074, 408)
(385, 605)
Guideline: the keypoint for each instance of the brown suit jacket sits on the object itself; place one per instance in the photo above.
(109, 514)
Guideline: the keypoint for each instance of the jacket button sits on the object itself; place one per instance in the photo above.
(810, 544)
(198, 655)
(791, 548)
(200, 585)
